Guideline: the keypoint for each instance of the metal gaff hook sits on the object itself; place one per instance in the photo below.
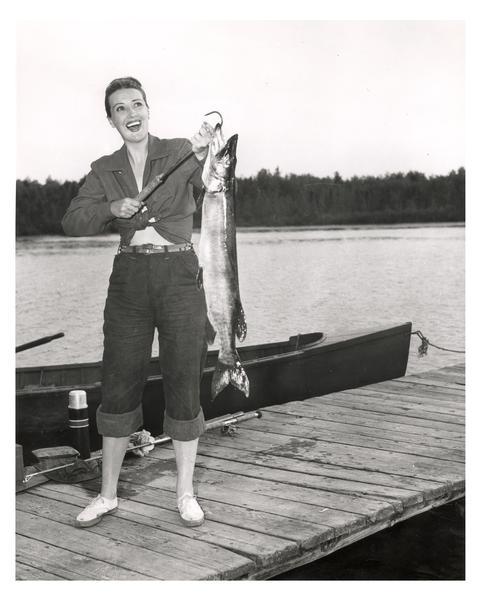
(215, 112)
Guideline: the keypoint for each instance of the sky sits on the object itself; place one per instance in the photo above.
(314, 96)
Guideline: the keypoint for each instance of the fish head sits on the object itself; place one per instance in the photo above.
(219, 170)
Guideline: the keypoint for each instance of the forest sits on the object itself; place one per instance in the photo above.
(274, 200)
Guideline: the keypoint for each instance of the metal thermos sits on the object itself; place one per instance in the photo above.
(78, 422)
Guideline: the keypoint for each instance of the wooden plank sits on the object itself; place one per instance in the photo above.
(370, 459)
(262, 548)
(436, 384)
(428, 489)
(427, 401)
(320, 499)
(414, 394)
(387, 405)
(441, 378)
(450, 371)
(437, 372)
(369, 416)
(68, 564)
(415, 389)
(405, 409)
(460, 366)
(454, 369)
(37, 480)
(362, 441)
(244, 520)
(210, 458)
(257, 498)
(19, 467)
(28, 573)
(315, 428)
(428, 394)
(340, 542)
(341, 454)
(393, 405)
(181, 558)
(424, 385)
(141, 560)
(454, 381)
(427, 379)
(330, 416)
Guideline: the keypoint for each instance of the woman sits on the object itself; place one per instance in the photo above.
(153, 285)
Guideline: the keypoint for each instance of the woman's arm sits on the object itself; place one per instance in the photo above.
(200, 142)
(89, 212)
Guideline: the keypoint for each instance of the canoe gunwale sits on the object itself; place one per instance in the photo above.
(321, 346)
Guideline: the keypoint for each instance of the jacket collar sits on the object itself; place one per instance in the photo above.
(118, 161)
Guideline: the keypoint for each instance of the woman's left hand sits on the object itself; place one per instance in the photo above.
(201, 140)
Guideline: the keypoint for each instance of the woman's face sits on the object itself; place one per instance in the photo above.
(129, 114)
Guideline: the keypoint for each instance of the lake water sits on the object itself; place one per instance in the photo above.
(292, 281)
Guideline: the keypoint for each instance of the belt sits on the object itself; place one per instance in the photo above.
(154, 249)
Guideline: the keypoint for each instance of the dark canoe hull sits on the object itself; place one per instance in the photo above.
(303, 367)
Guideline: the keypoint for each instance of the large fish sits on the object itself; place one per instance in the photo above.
(218, 259)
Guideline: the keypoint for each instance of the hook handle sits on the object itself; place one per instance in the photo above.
(215, 112)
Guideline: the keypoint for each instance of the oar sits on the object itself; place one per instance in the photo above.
(39, 342)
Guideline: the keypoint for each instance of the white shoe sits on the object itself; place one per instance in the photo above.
(190, 512)
(93, 513)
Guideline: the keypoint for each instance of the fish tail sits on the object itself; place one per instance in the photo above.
(225, 374)
(240, 323)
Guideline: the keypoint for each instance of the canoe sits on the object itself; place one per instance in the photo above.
(304, 366)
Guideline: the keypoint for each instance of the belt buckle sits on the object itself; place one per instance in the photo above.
(147, 250)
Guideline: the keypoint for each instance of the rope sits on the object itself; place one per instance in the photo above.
(423, 348)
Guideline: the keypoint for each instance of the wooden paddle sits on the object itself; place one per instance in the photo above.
(39, 342)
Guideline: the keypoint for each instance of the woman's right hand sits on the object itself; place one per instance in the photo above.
(125, 208)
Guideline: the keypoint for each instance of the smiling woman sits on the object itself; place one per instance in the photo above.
(153, 285)
(127, 110)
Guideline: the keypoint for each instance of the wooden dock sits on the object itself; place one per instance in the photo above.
(307, 479)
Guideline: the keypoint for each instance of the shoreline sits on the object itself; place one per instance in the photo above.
(255, 228)
(352, 226)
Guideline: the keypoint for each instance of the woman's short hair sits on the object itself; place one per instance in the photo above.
(122, 83)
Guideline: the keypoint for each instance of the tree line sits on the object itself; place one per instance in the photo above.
(273, 199)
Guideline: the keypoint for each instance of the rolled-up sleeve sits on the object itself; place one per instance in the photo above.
(193, 167)
(89, 212)
(196, 176)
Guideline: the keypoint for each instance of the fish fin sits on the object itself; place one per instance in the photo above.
(240, 323)
(210, 332)
(199, 196)
(225, 374)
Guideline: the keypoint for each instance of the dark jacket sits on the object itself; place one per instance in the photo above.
(111, 178)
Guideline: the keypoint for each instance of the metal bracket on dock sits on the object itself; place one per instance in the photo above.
(230, 430)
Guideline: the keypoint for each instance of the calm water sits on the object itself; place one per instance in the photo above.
(291, 280)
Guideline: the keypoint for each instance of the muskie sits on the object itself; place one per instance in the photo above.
(218, 259)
